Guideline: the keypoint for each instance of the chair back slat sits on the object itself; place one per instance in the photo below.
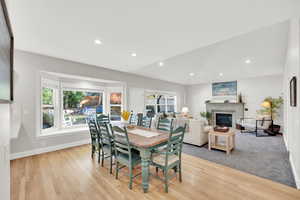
(102, 118)
(164, 124)
(139, 119)
(175, 142)
(121, 141)
(93, 130)
(121, 145)
(122, 150)
(133, 119)
(146, 122)
(105, 135)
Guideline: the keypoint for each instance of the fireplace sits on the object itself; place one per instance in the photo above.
(223, 119)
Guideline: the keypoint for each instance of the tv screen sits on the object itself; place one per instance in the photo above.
(6, 55)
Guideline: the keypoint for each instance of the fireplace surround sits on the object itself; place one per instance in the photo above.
(236, 110)
(224, 119)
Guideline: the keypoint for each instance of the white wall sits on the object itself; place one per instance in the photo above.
(292, 114)
(253, 91)
(27, 68)
(4, 152)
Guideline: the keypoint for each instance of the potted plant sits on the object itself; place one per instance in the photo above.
(207, 116)
(271, 106)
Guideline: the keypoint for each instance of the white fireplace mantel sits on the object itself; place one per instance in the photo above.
(236, 109)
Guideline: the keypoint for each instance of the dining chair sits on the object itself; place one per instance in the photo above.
(139, 119)
(101, 118)
(146, 122)
(94, 136)
(164, 124)
(170, 157)
(124, 153)
(106, 143)
(133, 119)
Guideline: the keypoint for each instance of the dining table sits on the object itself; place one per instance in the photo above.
(145, 140)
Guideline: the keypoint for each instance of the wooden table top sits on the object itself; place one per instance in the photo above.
(228, 133)
(146, 142)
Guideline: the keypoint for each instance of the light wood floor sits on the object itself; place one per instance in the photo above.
(72, 174)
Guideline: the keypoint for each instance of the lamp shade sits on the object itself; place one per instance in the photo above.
(185, 110)
(266, 104)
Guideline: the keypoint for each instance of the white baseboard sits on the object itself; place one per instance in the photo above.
(47, 149)
(296, 176)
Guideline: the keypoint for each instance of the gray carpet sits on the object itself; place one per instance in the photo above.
(266, 157)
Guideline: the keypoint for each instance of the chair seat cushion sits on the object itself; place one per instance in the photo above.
(160, 159)
(124, 158)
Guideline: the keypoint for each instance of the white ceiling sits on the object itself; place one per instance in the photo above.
(156, 30)
(265, 48)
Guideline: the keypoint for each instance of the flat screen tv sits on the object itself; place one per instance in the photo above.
(6, 56)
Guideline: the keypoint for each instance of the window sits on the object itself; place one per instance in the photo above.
(150, 104)
(160, 103)
(115, 101)
(68, 104)
(48, 108)
(78, 105)
(171, 104)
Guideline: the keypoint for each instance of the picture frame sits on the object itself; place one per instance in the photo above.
(293, 91)
(7, 71)
(224, 91)
(224, 88)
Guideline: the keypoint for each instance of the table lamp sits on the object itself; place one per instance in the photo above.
(268, 104)
(185, 111)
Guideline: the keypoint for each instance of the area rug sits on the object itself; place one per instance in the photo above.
(266, 157)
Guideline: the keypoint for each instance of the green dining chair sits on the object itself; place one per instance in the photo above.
(125, 155)
(106, 143)
(164, 124)
(133, 119)
(146, 122)
(94, 136)
(170, 157)
(101, 118)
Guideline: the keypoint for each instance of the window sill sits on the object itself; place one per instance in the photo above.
(62, 132)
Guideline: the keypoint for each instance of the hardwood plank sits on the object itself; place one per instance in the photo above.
(72, 174)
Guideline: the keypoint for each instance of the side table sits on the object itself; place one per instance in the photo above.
(229, 140)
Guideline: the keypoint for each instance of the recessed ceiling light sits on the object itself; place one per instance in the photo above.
(133, 54)
(220, 74)
(97, 41)
(192, 74)
(248, 61)
(161, 64)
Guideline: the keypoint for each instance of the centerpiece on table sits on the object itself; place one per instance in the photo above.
(125, 116)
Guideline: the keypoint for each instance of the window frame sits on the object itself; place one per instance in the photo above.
(47, 83)
(109, 105)
(55, 109)
(166, 95)
(60, 84)
(62, 89)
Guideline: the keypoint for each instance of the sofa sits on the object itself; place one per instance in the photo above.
(197, 132)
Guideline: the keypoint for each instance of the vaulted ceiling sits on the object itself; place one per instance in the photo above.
(205, 37)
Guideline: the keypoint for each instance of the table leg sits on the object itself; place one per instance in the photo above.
(227, 145)
(216, 140)
(233, 141)
(145, 156)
